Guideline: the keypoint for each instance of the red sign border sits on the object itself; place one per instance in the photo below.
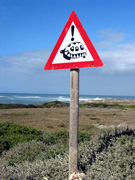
(74, 65)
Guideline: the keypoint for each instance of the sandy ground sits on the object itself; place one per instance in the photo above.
(58, 118)
(111, 101)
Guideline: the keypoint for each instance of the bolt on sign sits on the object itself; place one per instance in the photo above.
(73, 48)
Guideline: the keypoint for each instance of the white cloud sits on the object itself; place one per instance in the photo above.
(27, 61)
(110, 37)
(119, 59)
(23, 72)
(117, 56)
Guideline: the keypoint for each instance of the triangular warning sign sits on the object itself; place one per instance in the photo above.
(73, 48)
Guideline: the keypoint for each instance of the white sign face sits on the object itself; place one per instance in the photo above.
(73, 48)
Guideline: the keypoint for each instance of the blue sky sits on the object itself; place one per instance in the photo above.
(29, 29)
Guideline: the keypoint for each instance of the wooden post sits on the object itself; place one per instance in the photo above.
(74, 120)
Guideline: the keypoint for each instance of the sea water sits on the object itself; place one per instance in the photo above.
(23, 98)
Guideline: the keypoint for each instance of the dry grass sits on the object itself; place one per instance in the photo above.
(40, 118)
(53, 119)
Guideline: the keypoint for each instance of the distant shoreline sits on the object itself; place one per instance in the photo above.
(110, 102)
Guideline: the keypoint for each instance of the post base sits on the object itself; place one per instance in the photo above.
(77, 176)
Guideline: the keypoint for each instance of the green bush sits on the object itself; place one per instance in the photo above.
(11, 134)
(55, 104)
(31, 151)
(63, 137)
(111, 156)
(53, 143)
(56, 137)
(44, 105)
(84, 136)
(54, 169)
(115, 162)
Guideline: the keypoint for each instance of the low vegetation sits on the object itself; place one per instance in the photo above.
(110, 154)
(60, 104)
(44, 105)
(11, 134)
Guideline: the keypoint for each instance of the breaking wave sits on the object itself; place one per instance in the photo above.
(27, 97)
(9, 98)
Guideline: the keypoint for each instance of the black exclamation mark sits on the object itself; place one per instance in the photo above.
(72, 32)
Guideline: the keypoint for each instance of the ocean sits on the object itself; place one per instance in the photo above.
(23, 98)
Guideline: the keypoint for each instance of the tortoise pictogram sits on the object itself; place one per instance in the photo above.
(74, 50)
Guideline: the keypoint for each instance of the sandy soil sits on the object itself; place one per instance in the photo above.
(111, 101)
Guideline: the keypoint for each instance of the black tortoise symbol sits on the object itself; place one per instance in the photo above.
(74, 50)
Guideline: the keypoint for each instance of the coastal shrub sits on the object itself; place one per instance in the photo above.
(97, 146)
(11, 134)
(62, 136)
(24, 151)
(110, 156)
(104, 105)
(53, 169)
(61, 104)
(130, 106)
(30, 151)
(106, 159)
(56, 137)
(44, 105)
(52, 145)
(55, 104)
(11, 106)
(84, 136)
(115, 162)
